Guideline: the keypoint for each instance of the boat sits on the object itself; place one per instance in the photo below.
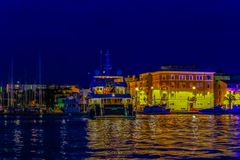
(234, 110)
(15, 109)
(214, 110)
(155, 109)
(33, 110)
(109, 97)
(68, 104)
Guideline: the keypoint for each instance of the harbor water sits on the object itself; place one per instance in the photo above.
(173, 136)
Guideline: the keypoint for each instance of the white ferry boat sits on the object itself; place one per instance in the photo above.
(109, 97)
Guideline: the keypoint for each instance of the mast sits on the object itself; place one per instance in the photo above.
(40, 78)
(107, 66)
(11, 85)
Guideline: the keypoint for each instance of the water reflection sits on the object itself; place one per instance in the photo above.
(165, 136)
(42, 137)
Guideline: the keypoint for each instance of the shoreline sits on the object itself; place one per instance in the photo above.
(86, 114)
(39, 114)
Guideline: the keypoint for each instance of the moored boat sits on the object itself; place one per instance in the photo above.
(214, 110)
(234, 110)
(109, 97)
(155, 109)
(110, 101)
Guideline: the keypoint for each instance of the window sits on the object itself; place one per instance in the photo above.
(208, 85)
(190, 77)
(200, 85)
(164, 77)
(172, 84)
(209, 77)
(191, 85)
(180, 85)
(182, 77)
(199, 77)
(172, 76)
(184, 85)
(197, 85)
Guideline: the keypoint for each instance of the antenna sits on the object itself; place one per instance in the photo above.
(108, 65)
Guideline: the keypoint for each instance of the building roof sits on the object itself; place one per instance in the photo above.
(192, 68)
(231, 81)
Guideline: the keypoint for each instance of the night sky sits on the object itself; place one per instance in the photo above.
(141, 35)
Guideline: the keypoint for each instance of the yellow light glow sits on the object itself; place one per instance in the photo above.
(193, 87)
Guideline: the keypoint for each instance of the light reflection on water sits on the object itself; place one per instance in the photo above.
(158, 136)
(166, 136)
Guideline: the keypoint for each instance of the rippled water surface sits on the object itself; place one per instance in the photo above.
(147, 137)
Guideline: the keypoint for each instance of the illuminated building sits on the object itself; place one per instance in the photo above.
(31, 95)
(129, 79)
(24, 95)
(141, 90)
(227, 93)
(61, 95)
(180, 90)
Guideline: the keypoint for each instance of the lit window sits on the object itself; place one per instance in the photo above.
(163, 77)
(172, 76)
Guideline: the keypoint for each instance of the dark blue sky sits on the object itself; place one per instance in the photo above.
(140, 34)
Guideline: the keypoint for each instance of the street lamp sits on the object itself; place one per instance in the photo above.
(136, 97)
(194, 98)
(152, 100)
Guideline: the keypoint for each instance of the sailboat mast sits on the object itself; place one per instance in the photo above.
(11, 85)
(40, 78)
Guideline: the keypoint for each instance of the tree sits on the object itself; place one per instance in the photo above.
(230, 98)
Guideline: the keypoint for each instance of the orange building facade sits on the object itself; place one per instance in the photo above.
(179, 90)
